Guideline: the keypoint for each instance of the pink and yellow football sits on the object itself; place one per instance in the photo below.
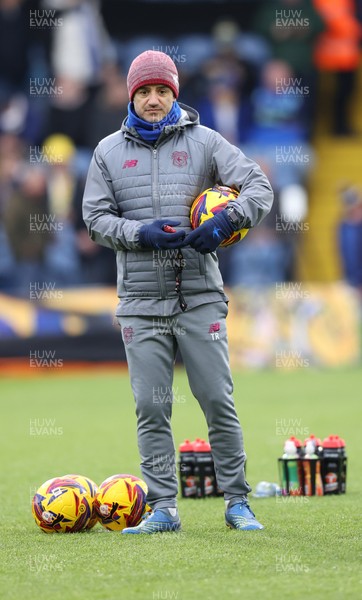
(121, 501)
(209, 203)
(62, 505)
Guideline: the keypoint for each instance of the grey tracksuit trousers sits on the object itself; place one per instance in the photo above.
(151, 344)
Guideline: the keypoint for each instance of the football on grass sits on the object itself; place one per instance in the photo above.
(62, 505)
(121, 501)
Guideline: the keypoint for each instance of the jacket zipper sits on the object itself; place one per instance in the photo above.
(157, 208)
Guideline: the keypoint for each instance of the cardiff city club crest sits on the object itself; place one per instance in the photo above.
(127, 335)
(179, 158)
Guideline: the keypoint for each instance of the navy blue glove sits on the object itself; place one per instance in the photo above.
(210, 234)
(154, 235)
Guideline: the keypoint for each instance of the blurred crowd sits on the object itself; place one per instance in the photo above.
(63, 88)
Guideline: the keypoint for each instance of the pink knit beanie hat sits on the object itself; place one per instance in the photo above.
(152, 68)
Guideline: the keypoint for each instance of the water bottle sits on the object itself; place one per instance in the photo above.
(187, 469)
(290, 470)
(334, 465)
(204, 469)
(312, 480)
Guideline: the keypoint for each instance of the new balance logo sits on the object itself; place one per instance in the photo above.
(130, 163)
(214, 330)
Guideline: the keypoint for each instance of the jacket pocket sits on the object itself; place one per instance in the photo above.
(202, 266)
(124, 264)
(122, 271)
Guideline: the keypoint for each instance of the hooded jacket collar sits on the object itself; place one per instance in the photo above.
(189, 117)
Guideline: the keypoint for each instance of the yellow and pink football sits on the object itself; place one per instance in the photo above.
(121, 501)
(62, 505)
(209, 203)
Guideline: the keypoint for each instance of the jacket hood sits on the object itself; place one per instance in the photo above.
(189, 116)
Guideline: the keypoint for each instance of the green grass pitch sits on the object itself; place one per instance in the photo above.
(310, 546)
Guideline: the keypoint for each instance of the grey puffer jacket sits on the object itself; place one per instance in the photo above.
(131, 182)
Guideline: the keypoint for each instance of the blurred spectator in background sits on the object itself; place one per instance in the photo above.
(277, 138)
(225, 105)
(27, 200)
(291, 28)
(80, 51)
(221, 85)
(278, 133)
(278, 106)
(18, 48)
(57, 154)
(338, 50)
(41, 230)
(241, 53)
(15, 46)
(108, 108)
(68, 111)
(12, 153)
(350, 235)
(39, 221)
(18, 117)
(81, 47)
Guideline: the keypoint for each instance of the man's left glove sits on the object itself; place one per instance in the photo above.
(210, 234)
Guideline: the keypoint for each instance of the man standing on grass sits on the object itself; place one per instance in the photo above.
(141, 184)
